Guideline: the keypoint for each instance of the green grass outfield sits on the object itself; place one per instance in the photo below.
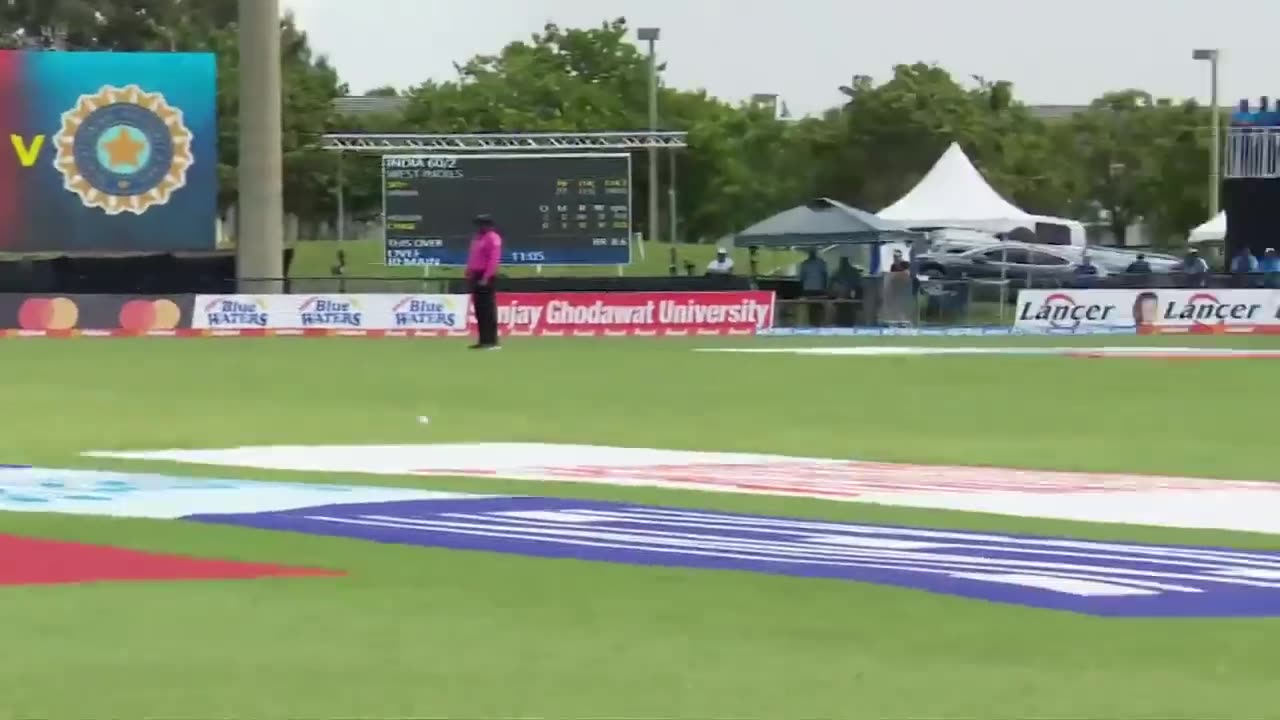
(421, 632)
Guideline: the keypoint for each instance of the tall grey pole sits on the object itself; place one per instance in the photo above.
(1215, 157)
(342, 201)
(260, 238)
(655, 220)
(671, 199)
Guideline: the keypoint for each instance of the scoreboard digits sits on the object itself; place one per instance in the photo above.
(550, 209)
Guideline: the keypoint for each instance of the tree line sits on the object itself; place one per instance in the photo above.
(1128, 157)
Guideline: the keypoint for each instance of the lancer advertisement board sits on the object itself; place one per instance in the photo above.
(1150, 310)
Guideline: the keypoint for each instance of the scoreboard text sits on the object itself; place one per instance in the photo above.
(549, 209)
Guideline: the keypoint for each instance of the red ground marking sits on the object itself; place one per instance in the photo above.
(31, 561)
(847, 480)
(1211, 330)
(1208, 355)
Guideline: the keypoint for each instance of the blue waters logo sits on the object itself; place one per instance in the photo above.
(236, 312)
(320, 311)
(427, 312)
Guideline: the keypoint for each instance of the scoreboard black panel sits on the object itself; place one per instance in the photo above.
(549, 209)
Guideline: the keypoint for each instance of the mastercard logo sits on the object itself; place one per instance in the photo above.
(57, 313)
(61, 313)
(145, 315)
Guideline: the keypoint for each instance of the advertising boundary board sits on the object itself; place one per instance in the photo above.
(958, 331)
(1150, 311)
(648, 314)
(641, 314)
(533, 314)
(408, 312)
(53, 314)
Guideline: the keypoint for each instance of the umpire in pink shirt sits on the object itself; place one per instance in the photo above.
(482, 271)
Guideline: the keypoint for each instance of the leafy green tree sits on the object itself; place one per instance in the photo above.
(1143, 159)
(892, 133)
(742, 165)
(560, 80)
(592, 80)
(895, 131)
(310, 85)
(123, 25)
(574, 80)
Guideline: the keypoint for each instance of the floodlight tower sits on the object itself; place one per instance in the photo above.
(260, 210)
(650, 35)
(1212, 56)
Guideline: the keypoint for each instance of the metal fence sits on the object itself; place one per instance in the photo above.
(342, 284)
(893, 302)
(1253, 152)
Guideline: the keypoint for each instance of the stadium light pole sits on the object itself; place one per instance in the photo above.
(650, 35)
(1212, 56)
(260, 235)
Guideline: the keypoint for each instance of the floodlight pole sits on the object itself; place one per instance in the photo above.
(1212, 56)
(341, 191)
(260, 235)
(650, 35)
(673, 218)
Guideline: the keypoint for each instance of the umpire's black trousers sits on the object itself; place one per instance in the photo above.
(485, 302)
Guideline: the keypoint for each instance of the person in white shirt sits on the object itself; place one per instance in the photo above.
(722, 264)
(1195, 270)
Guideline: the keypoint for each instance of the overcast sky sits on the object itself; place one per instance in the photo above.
(1054, 51)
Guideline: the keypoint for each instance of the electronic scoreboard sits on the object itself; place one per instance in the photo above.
(564, 209)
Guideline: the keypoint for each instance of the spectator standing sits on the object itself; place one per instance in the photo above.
(721, 264)
(1139, 266)
(846, 287)
(813, 286)
(899, 292)
(1085, 271)
(1139, 273)
(1195, 270)
(1243, 267)
(1270, 267)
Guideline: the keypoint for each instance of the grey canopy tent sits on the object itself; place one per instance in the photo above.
(821, 222)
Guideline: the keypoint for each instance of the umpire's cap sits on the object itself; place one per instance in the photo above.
(482, 220)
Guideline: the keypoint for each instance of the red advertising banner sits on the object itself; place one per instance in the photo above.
(593, 314)
(640, 314)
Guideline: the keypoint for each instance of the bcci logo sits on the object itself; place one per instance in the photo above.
(123, 150)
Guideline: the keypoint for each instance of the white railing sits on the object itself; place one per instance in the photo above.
(1253, 152)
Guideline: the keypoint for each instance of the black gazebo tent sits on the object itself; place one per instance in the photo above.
(821, 222)
(824, 222)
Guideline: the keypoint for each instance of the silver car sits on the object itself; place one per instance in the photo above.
(1023, 265)
(1117, 260)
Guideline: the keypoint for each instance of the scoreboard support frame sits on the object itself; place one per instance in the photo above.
(387, 144)
(532, 144)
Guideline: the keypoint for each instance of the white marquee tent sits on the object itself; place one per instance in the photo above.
(1213, 231)
(954, 194)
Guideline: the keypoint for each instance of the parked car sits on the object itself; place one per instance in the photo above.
(1023, 265)
(1117, 260)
